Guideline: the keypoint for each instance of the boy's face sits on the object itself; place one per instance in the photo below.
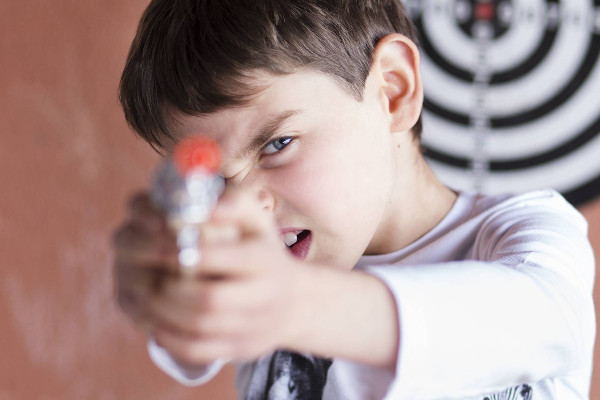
(323, 163)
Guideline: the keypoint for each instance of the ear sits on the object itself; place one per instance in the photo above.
(396, 73)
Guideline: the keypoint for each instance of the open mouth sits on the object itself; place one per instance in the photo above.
(298, 243)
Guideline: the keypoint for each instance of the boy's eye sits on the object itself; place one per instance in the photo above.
(276, 145)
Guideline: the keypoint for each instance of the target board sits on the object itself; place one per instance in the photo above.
(512, 94)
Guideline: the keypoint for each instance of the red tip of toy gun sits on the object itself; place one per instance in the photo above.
(197, 152)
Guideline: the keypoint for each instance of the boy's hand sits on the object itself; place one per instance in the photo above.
(237, 306)
(143, 248)
(250, 295)
(238, 303)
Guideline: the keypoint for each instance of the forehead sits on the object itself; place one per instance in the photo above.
(300, 93)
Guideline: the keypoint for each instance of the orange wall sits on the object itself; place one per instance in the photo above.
(67, 164)
(592, 213)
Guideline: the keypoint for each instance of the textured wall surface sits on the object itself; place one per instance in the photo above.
(67, 165)
(68, 162)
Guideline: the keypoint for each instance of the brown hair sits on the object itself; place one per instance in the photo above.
(195, 56)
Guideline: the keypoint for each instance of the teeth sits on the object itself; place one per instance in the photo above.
(290, 238)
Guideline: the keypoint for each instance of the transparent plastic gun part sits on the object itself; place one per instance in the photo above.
(187, 202)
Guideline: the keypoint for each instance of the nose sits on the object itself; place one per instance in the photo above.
(246, 179)
(267, 200)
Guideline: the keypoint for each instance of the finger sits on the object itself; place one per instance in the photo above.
(193, 351)
(240, 259)
(134, 245)
(213, 296)
(177, 308)
(219, 232)
(200, 324)
(134, 289)
(201, 351)
(142, 212)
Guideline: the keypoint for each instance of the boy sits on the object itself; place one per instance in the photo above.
(389, 285)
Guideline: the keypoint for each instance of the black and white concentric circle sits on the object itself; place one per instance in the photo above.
(512, 93)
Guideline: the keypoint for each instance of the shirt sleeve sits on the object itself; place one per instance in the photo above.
(185, 375)
(520, 311)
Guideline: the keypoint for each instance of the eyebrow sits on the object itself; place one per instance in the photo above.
(268, 130)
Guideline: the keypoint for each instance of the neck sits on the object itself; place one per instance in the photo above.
(411, 217)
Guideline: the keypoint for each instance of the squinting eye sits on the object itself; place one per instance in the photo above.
(277, 145)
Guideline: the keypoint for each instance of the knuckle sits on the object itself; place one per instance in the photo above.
(127, 237)
(139, 199)
(126, 301)
(199, 353)
(200, 325)
(182, 351)
(212, 297)
(120, 235)
(209, 299)
(134, 310)
(142, 211)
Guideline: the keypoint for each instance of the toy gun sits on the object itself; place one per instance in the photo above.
(186, 188)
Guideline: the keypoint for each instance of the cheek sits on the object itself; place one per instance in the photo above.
(311, 187)
(328, 192)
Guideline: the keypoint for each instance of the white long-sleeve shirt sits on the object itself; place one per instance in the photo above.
(495, 301)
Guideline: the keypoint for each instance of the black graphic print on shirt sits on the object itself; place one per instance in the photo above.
(521, 392)
(289, 376)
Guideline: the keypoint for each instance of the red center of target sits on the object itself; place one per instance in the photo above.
(485, 11)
